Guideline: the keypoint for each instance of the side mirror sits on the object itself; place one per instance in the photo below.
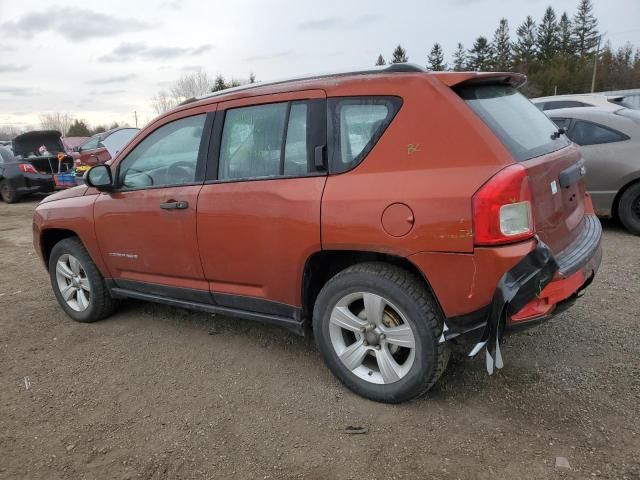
(100, 177)
(76, 149)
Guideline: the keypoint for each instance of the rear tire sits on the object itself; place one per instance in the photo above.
(77, 283)
(629, 208)
(403, 357)
(8, 192)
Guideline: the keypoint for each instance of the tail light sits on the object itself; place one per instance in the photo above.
(27, 168)
(502, 208)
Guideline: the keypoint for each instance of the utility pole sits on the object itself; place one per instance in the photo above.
(135, 114)
(595, 65)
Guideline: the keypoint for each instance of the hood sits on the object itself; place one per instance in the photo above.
(72, 192)
(28, 143)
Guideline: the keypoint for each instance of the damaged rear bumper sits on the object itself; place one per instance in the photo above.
(539, 286)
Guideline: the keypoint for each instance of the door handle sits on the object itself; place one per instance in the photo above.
(173, 205)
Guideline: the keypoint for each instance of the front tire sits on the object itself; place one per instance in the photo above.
(77, 283)
(378, 328)
(8, 192)
(629, 209)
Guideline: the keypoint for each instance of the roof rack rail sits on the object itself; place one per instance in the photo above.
(392, 68)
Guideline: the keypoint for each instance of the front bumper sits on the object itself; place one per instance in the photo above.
(537, 287)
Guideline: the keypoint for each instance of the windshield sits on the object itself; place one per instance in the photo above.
(523, 129)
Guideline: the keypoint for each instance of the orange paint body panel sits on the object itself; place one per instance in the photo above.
(139, 241)
(466, 283)
(74, 213)
(255, 237)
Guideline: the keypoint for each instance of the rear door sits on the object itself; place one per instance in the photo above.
(259, 211)
(553, 164)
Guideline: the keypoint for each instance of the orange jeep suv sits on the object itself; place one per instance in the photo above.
(398, 213)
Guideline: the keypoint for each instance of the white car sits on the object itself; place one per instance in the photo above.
(579, 100)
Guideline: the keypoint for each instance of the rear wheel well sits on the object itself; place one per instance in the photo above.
(322, 266)
(50, 237)
(616, 200)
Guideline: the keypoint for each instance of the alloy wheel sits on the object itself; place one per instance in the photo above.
(73, 283)
(372, 338)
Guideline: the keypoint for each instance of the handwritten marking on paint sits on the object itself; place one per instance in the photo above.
(413, 148)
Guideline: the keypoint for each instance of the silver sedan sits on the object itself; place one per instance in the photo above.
(610, 143)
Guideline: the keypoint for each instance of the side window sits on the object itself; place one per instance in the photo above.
(355, 125)
(90, 144)
(168, 156)
(563, 104)
(266, 141)
(587, 133)
(562, 122)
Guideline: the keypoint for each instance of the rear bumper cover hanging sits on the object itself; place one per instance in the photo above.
(516, 288)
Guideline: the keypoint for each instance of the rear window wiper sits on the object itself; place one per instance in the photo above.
(557, 133)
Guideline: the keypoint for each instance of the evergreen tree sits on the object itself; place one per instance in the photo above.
(380, 61)
(565, 40)
(548, 36)
(399, 55)
(585, 28)
(436, 58)
(501, 47)
(524, 50)
(480, 54)
(252, 77)
(460, 58)
(78, 128)
(219, 84)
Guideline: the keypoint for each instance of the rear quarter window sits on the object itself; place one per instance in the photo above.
(523, 129)
(588, 133)
(355, 124)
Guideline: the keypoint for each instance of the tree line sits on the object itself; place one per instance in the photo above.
(191, 85)
(557, 53)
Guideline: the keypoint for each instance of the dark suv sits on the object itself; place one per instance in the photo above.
(399, 213)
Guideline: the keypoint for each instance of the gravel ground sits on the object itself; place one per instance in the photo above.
(156, 392)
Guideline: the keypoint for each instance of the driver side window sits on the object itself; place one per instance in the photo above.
(166, 157)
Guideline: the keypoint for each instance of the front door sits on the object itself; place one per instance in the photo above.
(146, 229)
(259, 216)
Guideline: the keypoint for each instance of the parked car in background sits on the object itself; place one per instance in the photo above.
(97, 149)
(44, 150)
(577, 101)
(610, 143)
(20, 178)
(393, 211)
(631, 101)
(71, 143)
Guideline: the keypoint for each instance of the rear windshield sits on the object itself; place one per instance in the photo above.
(522, 128)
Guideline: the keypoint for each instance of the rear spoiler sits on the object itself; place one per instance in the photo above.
(452, 79)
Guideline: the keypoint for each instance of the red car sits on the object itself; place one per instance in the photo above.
(95, 151)
(398, 213)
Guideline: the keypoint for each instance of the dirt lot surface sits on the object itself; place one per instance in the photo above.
(156, 392)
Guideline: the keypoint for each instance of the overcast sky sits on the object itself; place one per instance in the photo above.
(103, 60)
